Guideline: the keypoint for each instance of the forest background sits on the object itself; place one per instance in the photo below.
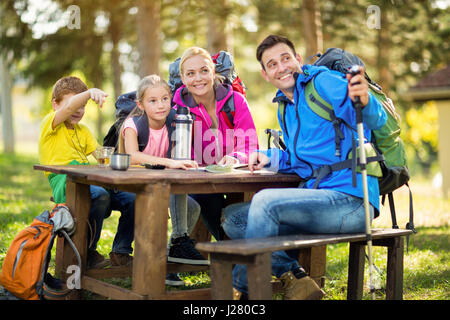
(111, 44)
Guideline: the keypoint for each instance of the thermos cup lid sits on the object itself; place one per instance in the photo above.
(182, 110)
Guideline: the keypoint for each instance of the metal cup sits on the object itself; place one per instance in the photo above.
(120, 161)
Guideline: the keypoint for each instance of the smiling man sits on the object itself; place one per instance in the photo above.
(281, 62)
(324, 203)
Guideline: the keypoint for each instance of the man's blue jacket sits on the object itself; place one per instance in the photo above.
(310, 140)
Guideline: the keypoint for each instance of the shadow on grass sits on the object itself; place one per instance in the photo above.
(431, 238)
(426, 266)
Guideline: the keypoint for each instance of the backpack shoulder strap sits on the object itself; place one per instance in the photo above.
(282, 101)
(170, 129)
(316, 103)
(324, 110)
(229, 110)
(141, 123)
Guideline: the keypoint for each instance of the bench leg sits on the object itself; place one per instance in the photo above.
(259, 276)
(314, 261)
(221, 277)
(259, 270)
(394, 276)
(355, 271)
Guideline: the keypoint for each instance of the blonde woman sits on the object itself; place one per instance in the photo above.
(215, 140)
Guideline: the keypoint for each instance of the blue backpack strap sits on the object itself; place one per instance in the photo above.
(142, 126)
(229, 110)
(282, 101)
(141, 123)
(170, 129)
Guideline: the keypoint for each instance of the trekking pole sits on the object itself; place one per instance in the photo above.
(354, 70)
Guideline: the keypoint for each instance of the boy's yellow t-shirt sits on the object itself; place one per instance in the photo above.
(61, 145)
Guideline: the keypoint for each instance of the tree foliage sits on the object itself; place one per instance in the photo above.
(411, 41)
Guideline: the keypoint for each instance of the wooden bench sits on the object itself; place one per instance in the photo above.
(256, 254)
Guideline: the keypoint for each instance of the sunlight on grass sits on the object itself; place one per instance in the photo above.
(430, 209)
(24, 194)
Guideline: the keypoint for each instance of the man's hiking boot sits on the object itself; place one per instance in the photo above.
(238, 295)
(120, 259)
(95, 260)
(182, 250)
(300, 287)
(172, 279)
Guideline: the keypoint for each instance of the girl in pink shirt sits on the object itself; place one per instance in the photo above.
(153, 99)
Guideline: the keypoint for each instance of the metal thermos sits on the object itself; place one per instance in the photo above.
(182, 144)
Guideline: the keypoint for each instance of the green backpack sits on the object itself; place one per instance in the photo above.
(386, 156)
(391, 168)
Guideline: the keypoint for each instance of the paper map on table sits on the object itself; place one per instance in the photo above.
(236, 168)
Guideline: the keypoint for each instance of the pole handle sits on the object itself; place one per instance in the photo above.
(358, 109)
(354, 70)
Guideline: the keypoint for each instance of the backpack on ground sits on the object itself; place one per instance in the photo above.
(24, 271)
(224, 63)
(386, 156)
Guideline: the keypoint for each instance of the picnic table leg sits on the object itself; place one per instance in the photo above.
(200, 233)
(78, 200)
(394, 273)
(355, 271)
(150, 236)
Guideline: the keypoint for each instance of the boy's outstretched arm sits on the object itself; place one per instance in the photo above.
(65, 109)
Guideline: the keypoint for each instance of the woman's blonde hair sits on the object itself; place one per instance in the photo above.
(197, 51)
(151, 81)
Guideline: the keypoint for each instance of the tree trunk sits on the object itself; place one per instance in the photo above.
(97, 80)
(6, 106)
(312, 28)
(384, 52)
(219, 36)
(115, 34)
(149, 36)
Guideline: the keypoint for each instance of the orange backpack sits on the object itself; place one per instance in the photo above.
(24, 271)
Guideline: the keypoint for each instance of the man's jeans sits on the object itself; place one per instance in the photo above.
(275, 212)
(103, 201)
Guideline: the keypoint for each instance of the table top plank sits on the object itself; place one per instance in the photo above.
(138, 175)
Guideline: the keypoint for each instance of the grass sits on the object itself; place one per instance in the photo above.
(24, 193)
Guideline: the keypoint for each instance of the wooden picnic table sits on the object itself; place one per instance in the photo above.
(152, 188)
